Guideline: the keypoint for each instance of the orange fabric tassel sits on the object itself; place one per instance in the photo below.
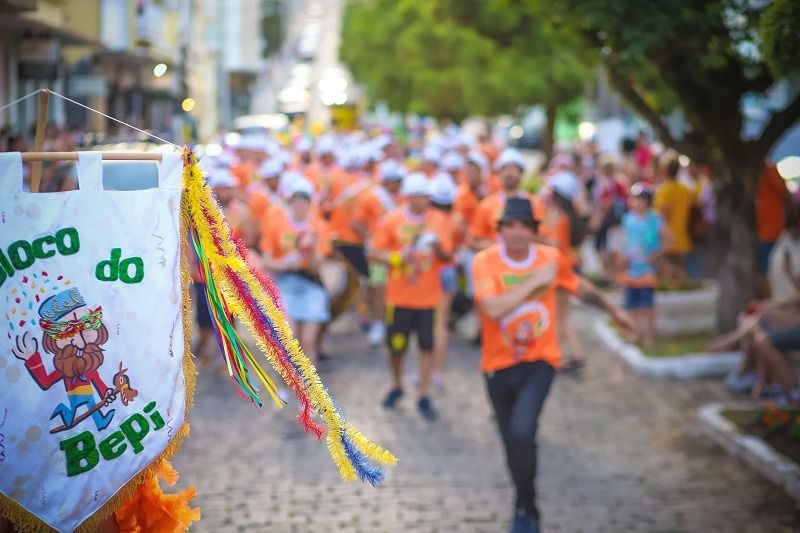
(152, 510)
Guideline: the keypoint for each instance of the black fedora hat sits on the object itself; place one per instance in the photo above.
(518, 209)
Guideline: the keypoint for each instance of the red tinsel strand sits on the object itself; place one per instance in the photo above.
(296, 382)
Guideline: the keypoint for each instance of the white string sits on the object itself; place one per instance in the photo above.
(18, 100)
(34, 93)
(114, 119)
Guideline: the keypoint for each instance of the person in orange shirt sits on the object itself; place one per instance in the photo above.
(346, 190)
(325, 169)
(262, 194)
(372, 206)
(472, 188)
(251, 151)
(302, 156)
(562, 229)
(510, 166)
(453, 163)
(415, 242)
(515, 291)
(430, 161)
(293, 245)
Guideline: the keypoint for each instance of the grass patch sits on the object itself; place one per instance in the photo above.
(679, 345)
(743, 418)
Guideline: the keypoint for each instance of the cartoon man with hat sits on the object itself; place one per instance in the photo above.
(73, 334)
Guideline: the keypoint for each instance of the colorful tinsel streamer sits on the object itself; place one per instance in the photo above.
(238, 289)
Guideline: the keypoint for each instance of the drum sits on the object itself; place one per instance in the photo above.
(340, 281)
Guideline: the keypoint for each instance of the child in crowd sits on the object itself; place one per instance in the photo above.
(644, 235)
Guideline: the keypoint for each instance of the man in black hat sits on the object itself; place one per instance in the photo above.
(515, 287)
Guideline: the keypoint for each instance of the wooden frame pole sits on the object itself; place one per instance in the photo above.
(38, 144)
(35, 157)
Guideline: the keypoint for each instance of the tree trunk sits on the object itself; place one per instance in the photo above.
(548, 139)
(735, 235)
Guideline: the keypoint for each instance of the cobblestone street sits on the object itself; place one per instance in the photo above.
(618, 452)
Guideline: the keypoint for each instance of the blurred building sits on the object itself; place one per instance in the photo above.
(181, 68)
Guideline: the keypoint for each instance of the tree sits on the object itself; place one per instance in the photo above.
(425, 57)
(702, 57)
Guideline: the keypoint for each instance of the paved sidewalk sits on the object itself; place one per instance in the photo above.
(618, 452)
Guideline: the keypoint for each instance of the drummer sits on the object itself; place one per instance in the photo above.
(345, 192)
(294, 243)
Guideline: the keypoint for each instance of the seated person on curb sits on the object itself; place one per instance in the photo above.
(772, 328)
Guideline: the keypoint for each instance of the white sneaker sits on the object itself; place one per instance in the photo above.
(377, 333)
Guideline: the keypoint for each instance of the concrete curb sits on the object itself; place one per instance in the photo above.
(752, 450)
(683, 367)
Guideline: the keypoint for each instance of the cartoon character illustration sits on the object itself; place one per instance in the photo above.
(74, 334)
(522, 328)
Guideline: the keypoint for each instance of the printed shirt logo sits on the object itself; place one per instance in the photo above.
(522, 328)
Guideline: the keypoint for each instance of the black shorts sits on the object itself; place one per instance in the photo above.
(401, 322)
(355, 256)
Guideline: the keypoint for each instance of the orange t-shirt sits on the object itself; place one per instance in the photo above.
(466, 203)
(261, 202)
(419, 285)
(245, 172)
(323, 177)
(529, 332)
(372, 205)
(280, 236)
(493, 183)
(555, 231)
(346, 191)
(489, 211)
(770, 216)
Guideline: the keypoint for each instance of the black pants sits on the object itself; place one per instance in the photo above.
(518, 394)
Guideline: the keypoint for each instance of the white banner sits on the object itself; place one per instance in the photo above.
(92, 388)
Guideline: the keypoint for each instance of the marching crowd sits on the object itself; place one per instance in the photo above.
(412, 234)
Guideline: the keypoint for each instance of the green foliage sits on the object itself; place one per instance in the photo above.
(779, 30)
(434, 57)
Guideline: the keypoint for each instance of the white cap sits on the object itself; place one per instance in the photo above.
(220, 176)
(325, 146)
(374, 155)
(432, 154)
(300, 185)
(284, 157)
(416, 184)
(382, 141)
(287, 182)
(452, 161)
(270, 167)
(480, 160)
(443, 189)
(509, 156)
(349, 158)
(302, 145)
(253, 142)
(390, 170)
(566, 184)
